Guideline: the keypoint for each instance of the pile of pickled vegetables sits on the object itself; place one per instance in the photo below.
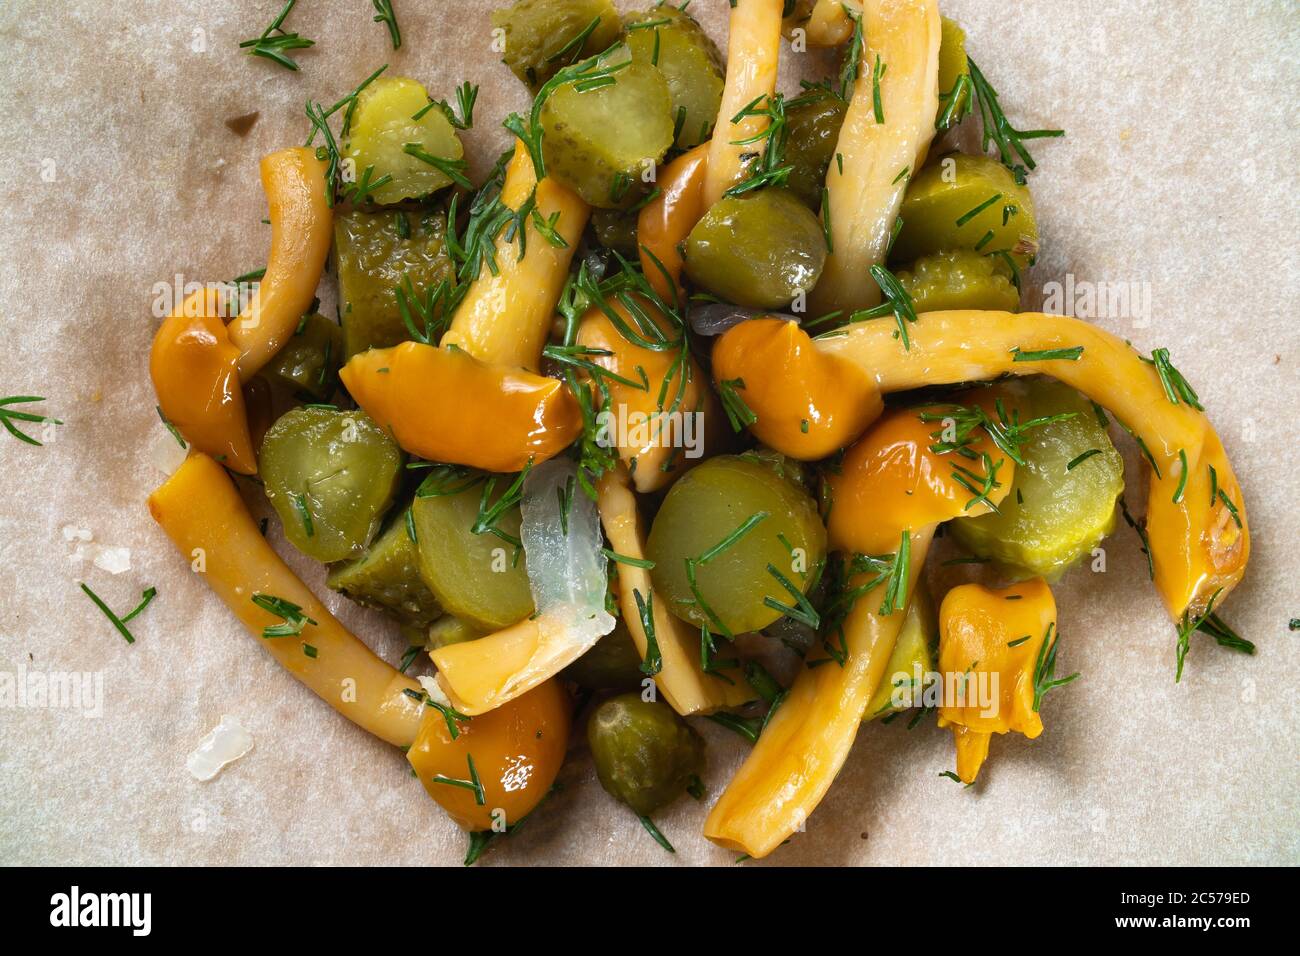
(661, 420)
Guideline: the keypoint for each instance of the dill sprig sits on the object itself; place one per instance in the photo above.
(274, 47)
(319, 118)
(1175, 386)
(366, 184)
(997, 129)
(1045, 669)
(1213, 625)
(385, 14)
(451, 715)
(462, 117)
(770, 168)
(645, 608)
(121, 622)
(291, 614)
(738, 413)
(898, 302)
(8, 416)
(473, 784)
(490, 512)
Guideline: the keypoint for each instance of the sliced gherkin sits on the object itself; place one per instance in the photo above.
(960, 279)
(375, 253)
(670, 40)
(309, 362)
(1061, 503)
(387, 577)
(544, 36)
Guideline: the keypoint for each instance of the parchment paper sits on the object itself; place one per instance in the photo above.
(117, 171)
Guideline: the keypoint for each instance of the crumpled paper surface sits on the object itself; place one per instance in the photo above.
(117, 171)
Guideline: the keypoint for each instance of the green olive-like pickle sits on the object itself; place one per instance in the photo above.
(758, 249)
(813, 122)
(741, 586)
(374, 254)
(309, 362)
(645, 755)
(671, 40)
(387, 577)
(481, 578)
(1053, 514)
(544, 36)
(330, 475)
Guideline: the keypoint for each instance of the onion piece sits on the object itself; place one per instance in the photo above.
(224, 744)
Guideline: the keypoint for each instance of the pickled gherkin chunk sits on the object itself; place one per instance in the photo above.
(330, 475)
(759, 249)
(967, 202)
(615, 229)
(1062, 501)
(600, 141)
(751, 540)
(482, 578)
(645, 755)
(813, 121)
(374, 254)
(612, 664)
(396, 133)
(952, 66)
(672, 41)
(387, 577)
(960, 279)
(544, 36)
(310, 360)
(914, 651)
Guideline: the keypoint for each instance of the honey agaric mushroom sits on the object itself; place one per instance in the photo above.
(753, 45)
(1196, 526)
(830, 23)
(519, 747)
(996, 640)
(887, 130)
(445, 405)
(507, 314)
(807, 404)
(665, 222)
(892, 492)
(200, 510)
(197, 363)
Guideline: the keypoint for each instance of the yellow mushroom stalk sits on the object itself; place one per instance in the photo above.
(887, 130)
(753, 47)
(507, 314)
(831, 22)
(200, 510)
(301, 229)
(682, 681)
(1199, 537)
(808, 738)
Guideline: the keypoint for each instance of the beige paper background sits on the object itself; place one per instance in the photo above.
(1178, 171)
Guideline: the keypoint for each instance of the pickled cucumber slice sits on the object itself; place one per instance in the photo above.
(616, 229)
(450, 629)
(740, 575)
(1053, 514)
(813, 121)
(967, 202)
(759, 249)
(960, 279)
(309, 362)
(374, 253)
(330, 476)
(384, 123)
(544, 36)
(387, 577)
(480, 578)
(672, 41)
(600, 141)
(913, 650)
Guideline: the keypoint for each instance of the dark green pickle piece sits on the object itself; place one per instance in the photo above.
(387, 577)
(960, 279)
(645, 755)
(330, 475)
(759, 249)
(374, 252)
(612, 663)
(309, 362)
(544, 36)
(813, 121)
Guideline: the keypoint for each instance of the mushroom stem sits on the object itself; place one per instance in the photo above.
(200, 510)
